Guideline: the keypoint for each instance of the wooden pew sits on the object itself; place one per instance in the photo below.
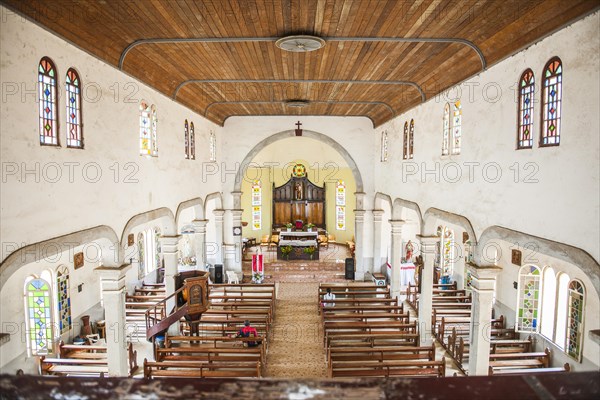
(527, 371)
(520, 360)
(408, 368)
(354, 339)
(380, 353)
(190, 369)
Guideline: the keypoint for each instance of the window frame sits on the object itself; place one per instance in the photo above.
(79, 109)
(520, 108)
(544, 103)
(56, 107)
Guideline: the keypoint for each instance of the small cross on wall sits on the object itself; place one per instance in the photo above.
(298, 130)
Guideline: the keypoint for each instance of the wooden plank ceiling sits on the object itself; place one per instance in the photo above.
(498, 28)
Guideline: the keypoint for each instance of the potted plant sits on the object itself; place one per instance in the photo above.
(310, 251)
(309, 227)
(289, 226)
(285, 251)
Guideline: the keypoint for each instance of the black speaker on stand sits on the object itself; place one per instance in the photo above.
(349, 270)
(218, 273)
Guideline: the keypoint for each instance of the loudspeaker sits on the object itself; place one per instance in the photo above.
(349, 269)
(219, 273)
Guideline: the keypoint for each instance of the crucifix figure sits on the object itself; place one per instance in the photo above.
(298, 130)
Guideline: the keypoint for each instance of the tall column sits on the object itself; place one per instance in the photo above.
(397, 225)
(377, 214)
(481, 313)
(218, 213)
(236, 265)
(168, 245)
(200, 242)
(428, 244)
(113, 295)
(359, 216)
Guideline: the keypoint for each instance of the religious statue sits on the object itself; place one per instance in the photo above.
(409, 251)
(298, 191)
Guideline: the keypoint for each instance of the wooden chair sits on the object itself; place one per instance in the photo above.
(323, 241)
(331, 238)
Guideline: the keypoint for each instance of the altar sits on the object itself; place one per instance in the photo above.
(298, 245)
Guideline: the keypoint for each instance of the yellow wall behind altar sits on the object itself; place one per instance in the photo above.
(318, 173)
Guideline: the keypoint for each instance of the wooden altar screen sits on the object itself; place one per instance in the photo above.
(299, 199)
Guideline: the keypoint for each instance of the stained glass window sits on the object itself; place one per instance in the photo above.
(213, 147)
(63, 299)
(529, 299)
(39, 316)
(551, 103)
(141, 254)
(48, 98)
(73, 89)
(456, 127)
(384, 146)
(411, 139)
(448, 252)
(145, 130)
(525, 111)
(186, 138)
(154, 122)
(405, 142)
(575, 319)
(446, 131)
(192, 151)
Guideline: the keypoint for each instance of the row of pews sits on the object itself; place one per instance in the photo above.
(366, 333)
(82, 361)
(136, 305)
(214, 351)
(451, 324)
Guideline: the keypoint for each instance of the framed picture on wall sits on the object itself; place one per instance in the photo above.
(516, 257)
(78, 260)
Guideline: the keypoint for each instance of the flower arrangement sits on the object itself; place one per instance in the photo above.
(289, 225)
(257, 277)
(285, 251)
(309, 226)
(310, 250)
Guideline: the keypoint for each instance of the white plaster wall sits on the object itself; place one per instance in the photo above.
(563, 205)
(12, 315)
(34, 208)
(506, 301)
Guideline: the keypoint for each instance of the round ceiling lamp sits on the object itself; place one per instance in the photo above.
(297, 103)
(300, 43)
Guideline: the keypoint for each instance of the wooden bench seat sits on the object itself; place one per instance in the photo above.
(364, 309)
(354, 339)
(175, 369)
(415, 368)
(381, 353)
(526, 371)
(372, 316)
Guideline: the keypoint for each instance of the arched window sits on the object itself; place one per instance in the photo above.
(145, 130)
(213, 147)
(529, 299)
(456, 127)
(63, 299)
(48, 99)
(192, 142)
(548, 303)
(154, 121)
(525, 110)
(446, 131)
(38, 306)
(405, 142)
(575, 319)
(141, 255)
(74, 124)
(411, 138)
(186, 139)
(551, 103)
(384, 146)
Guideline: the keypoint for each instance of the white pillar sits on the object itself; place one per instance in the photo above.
(200, 242)
(236, 265)
(481, 314)
(218, 213)
(359, 216)
(113, 295)
(377, 214)
(428, 244)
(168, 245)
(396, 255)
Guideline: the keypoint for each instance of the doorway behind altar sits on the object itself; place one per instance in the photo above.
(329, 267)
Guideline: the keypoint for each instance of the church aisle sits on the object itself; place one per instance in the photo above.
(296, 347)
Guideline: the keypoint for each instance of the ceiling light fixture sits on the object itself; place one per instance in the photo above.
(297, 103)
(300, 43)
